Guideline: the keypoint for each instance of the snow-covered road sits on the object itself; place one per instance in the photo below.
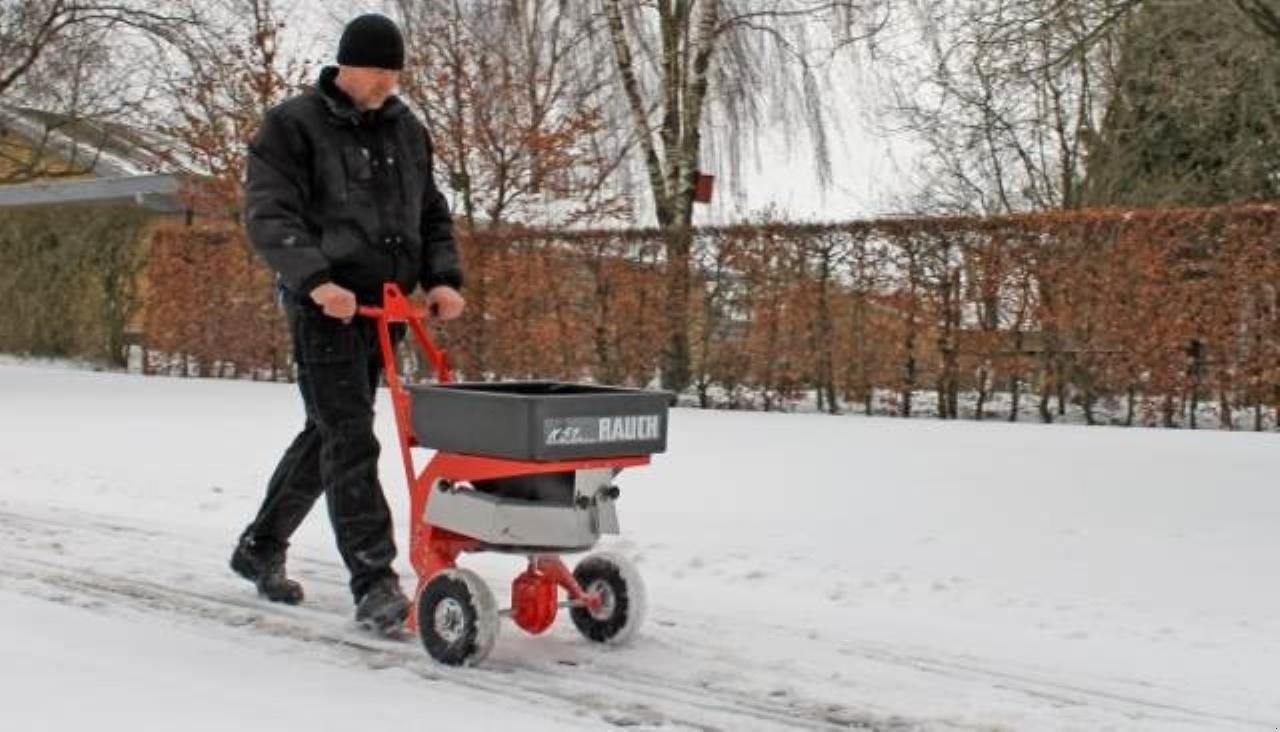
(804, 572)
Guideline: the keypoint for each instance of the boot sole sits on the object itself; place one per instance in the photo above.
(389, 627)
(290, 600)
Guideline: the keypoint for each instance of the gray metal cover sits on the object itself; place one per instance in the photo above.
(540, 420)
(513, 522)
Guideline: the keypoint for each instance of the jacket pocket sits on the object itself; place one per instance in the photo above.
(323, 339)
(358, 163)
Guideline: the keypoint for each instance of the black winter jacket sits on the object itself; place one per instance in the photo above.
(334, 194)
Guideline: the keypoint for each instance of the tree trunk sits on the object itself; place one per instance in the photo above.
(1060, 386)
(676, 366)
(1046, 394)
(1197, 352)
(1087, 396)
(1132, 400)
(1015, 381)
(980, 412)
(1167, 411)
(862, 387)
(825, 336)
(1224, 410)
(1015, 397)
(909, 370)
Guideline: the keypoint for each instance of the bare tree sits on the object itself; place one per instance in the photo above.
(66, 71)
(30, 30)
(514, 94)
(1006, 99)
(688, 66)
(1011, 97)
(225, 71)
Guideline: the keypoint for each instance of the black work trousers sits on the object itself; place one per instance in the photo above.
(339, 368)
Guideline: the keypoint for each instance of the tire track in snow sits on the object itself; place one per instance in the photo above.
(619, 697)
(636, 696)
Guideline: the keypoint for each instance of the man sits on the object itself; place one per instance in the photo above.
(340, 198)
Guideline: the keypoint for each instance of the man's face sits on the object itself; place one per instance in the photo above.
(368, 87)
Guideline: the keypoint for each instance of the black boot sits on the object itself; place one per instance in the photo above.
(383, 607)
(264, 566)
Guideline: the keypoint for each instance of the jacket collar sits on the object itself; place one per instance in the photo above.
(345, 111)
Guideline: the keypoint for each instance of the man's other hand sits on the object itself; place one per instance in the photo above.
(444, 302)
(336, 301)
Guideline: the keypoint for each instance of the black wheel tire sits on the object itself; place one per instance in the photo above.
(457, 618)
(625, 600)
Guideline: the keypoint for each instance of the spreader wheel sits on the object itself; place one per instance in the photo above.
(457, 617)
(616, 581)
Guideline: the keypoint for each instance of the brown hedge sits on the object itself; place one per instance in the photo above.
(1147, 312)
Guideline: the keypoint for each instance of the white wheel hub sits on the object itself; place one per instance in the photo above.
(608, 600)
(449, 620)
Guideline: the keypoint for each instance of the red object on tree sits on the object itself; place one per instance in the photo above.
(703, 188)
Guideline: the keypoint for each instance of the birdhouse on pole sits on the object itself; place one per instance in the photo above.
(703, 187)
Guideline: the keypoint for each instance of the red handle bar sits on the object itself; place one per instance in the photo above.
(396, 308)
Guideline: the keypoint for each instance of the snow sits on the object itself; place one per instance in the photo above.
(135, 673)
(803, 572)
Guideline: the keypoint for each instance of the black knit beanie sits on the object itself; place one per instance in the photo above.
(372, 40)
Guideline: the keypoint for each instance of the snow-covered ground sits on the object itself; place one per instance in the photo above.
(804, 572)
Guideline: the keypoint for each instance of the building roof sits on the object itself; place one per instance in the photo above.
(158, 192)
(105, 149)
(121, 164)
